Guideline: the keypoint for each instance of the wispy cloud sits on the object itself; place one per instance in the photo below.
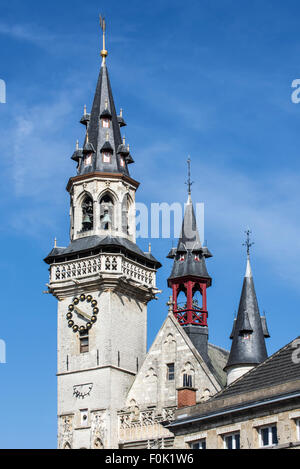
(27, 32)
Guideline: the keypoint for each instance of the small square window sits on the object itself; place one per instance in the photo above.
(84, 414)
(105, 123)
(268, 436)
(88, 159)
(84, 344)
(200, 444)
(232, 441)
(171, 372)
(106, 157)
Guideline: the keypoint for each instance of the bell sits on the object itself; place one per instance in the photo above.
(106, 218)
(86, 218)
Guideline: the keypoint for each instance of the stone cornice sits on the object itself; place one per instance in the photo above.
(101, 176)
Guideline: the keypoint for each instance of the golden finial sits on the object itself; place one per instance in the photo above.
(84, 110)
(87, 135)
(104, 52)
(128, 147)
(55, 242)
(149, 248)
(124, 140)
(77, 144)
(121, 112)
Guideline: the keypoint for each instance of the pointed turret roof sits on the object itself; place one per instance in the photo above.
(189, 257)
(248, 337)
(99, 137)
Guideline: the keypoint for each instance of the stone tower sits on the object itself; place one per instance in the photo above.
(103, 283)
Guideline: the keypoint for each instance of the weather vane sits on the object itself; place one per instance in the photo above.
(103, 27)
(189, 183)
(248, 243)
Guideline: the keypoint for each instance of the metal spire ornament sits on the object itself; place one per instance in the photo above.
(247, 243)
(189, 183)
(104, 52)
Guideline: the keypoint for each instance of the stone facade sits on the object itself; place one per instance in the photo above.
(152, 399)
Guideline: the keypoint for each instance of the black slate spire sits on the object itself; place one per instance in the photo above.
(248, 337)
(189, 257)
(103, 131)
(103, 136)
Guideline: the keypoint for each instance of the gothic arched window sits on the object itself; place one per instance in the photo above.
(106, 212)
(125, 211)
(87, 214)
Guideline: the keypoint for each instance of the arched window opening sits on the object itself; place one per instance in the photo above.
(181, 299)
(87, 214)
(197, 297)
(106, 212)
(125, 213)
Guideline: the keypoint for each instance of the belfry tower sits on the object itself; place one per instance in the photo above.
(189, 279)
(102, 280)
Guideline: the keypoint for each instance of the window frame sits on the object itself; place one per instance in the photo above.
(170, 374)
(107, 155)
(200, 443)
(84, 343)
(297, 422)
(87, 161)
(105, 120)
(270, 435)
(234, 436)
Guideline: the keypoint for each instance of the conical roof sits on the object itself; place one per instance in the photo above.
(248, 338)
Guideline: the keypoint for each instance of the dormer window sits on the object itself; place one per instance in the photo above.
(197, 259)
(88, 159)
(122, 162)
(181, 258)
(105, 123)
(106, 157)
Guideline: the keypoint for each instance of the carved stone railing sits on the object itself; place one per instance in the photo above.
(144, 425)
(102, 264)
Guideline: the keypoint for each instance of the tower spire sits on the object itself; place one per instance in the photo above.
(249, 332)
(189, 277)
(103, 52)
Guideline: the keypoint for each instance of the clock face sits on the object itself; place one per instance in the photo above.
(82, 313)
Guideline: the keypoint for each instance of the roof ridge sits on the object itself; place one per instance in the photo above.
(255, 368)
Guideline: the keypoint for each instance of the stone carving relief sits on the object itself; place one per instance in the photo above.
(98, 430)
(65, 432)
(80, 391)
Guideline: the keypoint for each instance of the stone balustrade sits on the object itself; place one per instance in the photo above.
(116, 264)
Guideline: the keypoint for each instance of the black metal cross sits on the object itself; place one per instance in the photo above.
(248, 244)
(189, 183)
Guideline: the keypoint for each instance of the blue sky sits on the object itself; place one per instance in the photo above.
(206, 79)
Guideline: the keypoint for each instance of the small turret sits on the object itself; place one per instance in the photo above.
(249, 330)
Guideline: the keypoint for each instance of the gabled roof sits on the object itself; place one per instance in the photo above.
(212, 370)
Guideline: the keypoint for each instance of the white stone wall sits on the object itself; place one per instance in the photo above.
(96, 188)
(101, 378)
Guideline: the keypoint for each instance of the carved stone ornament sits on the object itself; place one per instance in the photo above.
(65, 432)
(98, 430)
(80, 391)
